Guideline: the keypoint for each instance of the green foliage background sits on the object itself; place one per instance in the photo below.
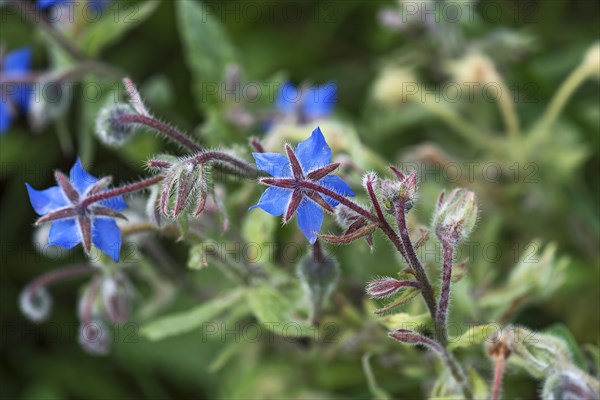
(339, 40)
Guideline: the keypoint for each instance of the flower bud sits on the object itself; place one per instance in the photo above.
(116, 295)
(474, 68)
(395, 87)
(405, 187)
(319, 272)
(455, 215)
(35, 303)
(52, 99)
(94, 337)
(385, 287)
(110, 130)
(568, 385)
(185, 186)
(591, 60)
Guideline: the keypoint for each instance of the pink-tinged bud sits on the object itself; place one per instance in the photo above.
(94, 337)
(568, 385)
(35, 303)
(411, 337)
(110, 129)
(116, 295)
(455, 215)
(385, 287)
(184, 188)
(405, 187)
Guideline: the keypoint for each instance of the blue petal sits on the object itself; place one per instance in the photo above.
(116, 203)
(310, 219)
(64, 233)
(287, 98)
(338, 185)
(106, 236)
(313, 152)
(5, 118)
(80, 178)
(22, 95)
(273, 163)
(274, 200)
(17, 62)
(45, 201)
(320, 101)
(43, 4)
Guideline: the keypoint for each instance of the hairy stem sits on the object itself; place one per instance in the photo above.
(238, 164)
(498, 375)
(458, 374)
(133, 187)
(412, 259)
(442, 310)
(383, 224)
(59, 275)
(357, 208)
(168, 131)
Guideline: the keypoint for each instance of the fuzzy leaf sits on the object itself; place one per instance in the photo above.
(186, 321)
(114, 25)
(207, 47)
(277, 313)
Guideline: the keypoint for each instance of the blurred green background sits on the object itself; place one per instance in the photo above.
(338, 40)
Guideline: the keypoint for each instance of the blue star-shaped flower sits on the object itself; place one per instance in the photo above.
(75, 221)
(14, 96)
(290, 190)
(308, 104)
(97, 5)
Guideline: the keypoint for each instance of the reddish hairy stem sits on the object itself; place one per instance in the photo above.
(165, 129)
(341, 199)
(412, 259)
(214, 155)
(385, 226)
(134, 187)
(498, 375)
(442, 310)
(59, 275)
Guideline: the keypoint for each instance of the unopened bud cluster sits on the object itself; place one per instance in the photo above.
(455, 215)
(404, 187)
(110, 129)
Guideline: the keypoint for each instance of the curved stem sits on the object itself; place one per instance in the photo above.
(412, 259)
(59, 275)
(169, 132)
(458, 374)
(219, 156)
(134, 187)
(566, 90)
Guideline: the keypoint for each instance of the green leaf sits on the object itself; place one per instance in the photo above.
(473, 335)
(276, 313)
(563, 332)
(207, 48)
(114, 25)
(186, 321)
(407, 321)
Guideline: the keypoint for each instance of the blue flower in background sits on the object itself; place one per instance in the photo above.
(306, 104)
(96, 4)
(294, 179)
(14, 96)
(72, 220)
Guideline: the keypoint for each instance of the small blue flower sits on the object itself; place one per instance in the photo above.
(73, 221)
(295, 179)
(306, 104)
(95, 4)
(14, 96)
